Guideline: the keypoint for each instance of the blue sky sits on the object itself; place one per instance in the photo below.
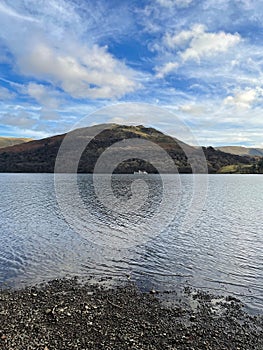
(61, 60)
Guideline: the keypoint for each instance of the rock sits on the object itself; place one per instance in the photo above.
(119, 318)
(231, 298)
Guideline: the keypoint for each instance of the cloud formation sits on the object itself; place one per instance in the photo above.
(81, 69)
(245, 98)
(43, 95)
(166, 69)
(84, 73)
(6, 10)
(200, 59)
(5, 94)
(195, 44)
(202, 43)
(172, 3)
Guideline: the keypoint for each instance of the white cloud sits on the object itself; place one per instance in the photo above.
(215, 122)
(12, 13)
(200, 43)
(245, 98)
(166, 69)
(21, 120)
(84, 73)
(171, 3)
(43, 95)
(173, 41)
(197, 45)
(209, 44)
(59, 46)
(5, 94)
(50, 115)
(57, 51)
(193, 109)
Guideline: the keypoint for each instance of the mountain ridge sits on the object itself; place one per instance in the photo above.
(40, 155)
(241, 150)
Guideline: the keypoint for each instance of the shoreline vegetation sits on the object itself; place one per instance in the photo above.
(67, 314)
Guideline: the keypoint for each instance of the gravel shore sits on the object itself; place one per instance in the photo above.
(64, 314)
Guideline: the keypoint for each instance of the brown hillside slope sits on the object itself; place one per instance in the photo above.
(40, 155)
(11, 141)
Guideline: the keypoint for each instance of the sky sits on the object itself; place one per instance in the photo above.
(202, 60)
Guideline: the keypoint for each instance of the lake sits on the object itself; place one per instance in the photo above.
(222, 251)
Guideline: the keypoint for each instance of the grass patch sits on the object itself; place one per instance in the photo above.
(235, 169)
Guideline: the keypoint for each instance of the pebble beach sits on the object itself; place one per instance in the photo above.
(66, 314)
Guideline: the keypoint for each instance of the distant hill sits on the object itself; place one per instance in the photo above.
(40, 155)
(242, 151)
(11, 141)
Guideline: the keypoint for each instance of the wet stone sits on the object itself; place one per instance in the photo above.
(69, 315)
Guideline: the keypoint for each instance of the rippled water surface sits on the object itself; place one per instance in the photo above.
(222, 251)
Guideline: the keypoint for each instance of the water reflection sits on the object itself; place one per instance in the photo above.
(222, 251)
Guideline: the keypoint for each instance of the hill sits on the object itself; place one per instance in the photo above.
(242, 151)
(11, 141)
(40, 155)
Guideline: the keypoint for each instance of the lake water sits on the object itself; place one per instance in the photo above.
(222, 251)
